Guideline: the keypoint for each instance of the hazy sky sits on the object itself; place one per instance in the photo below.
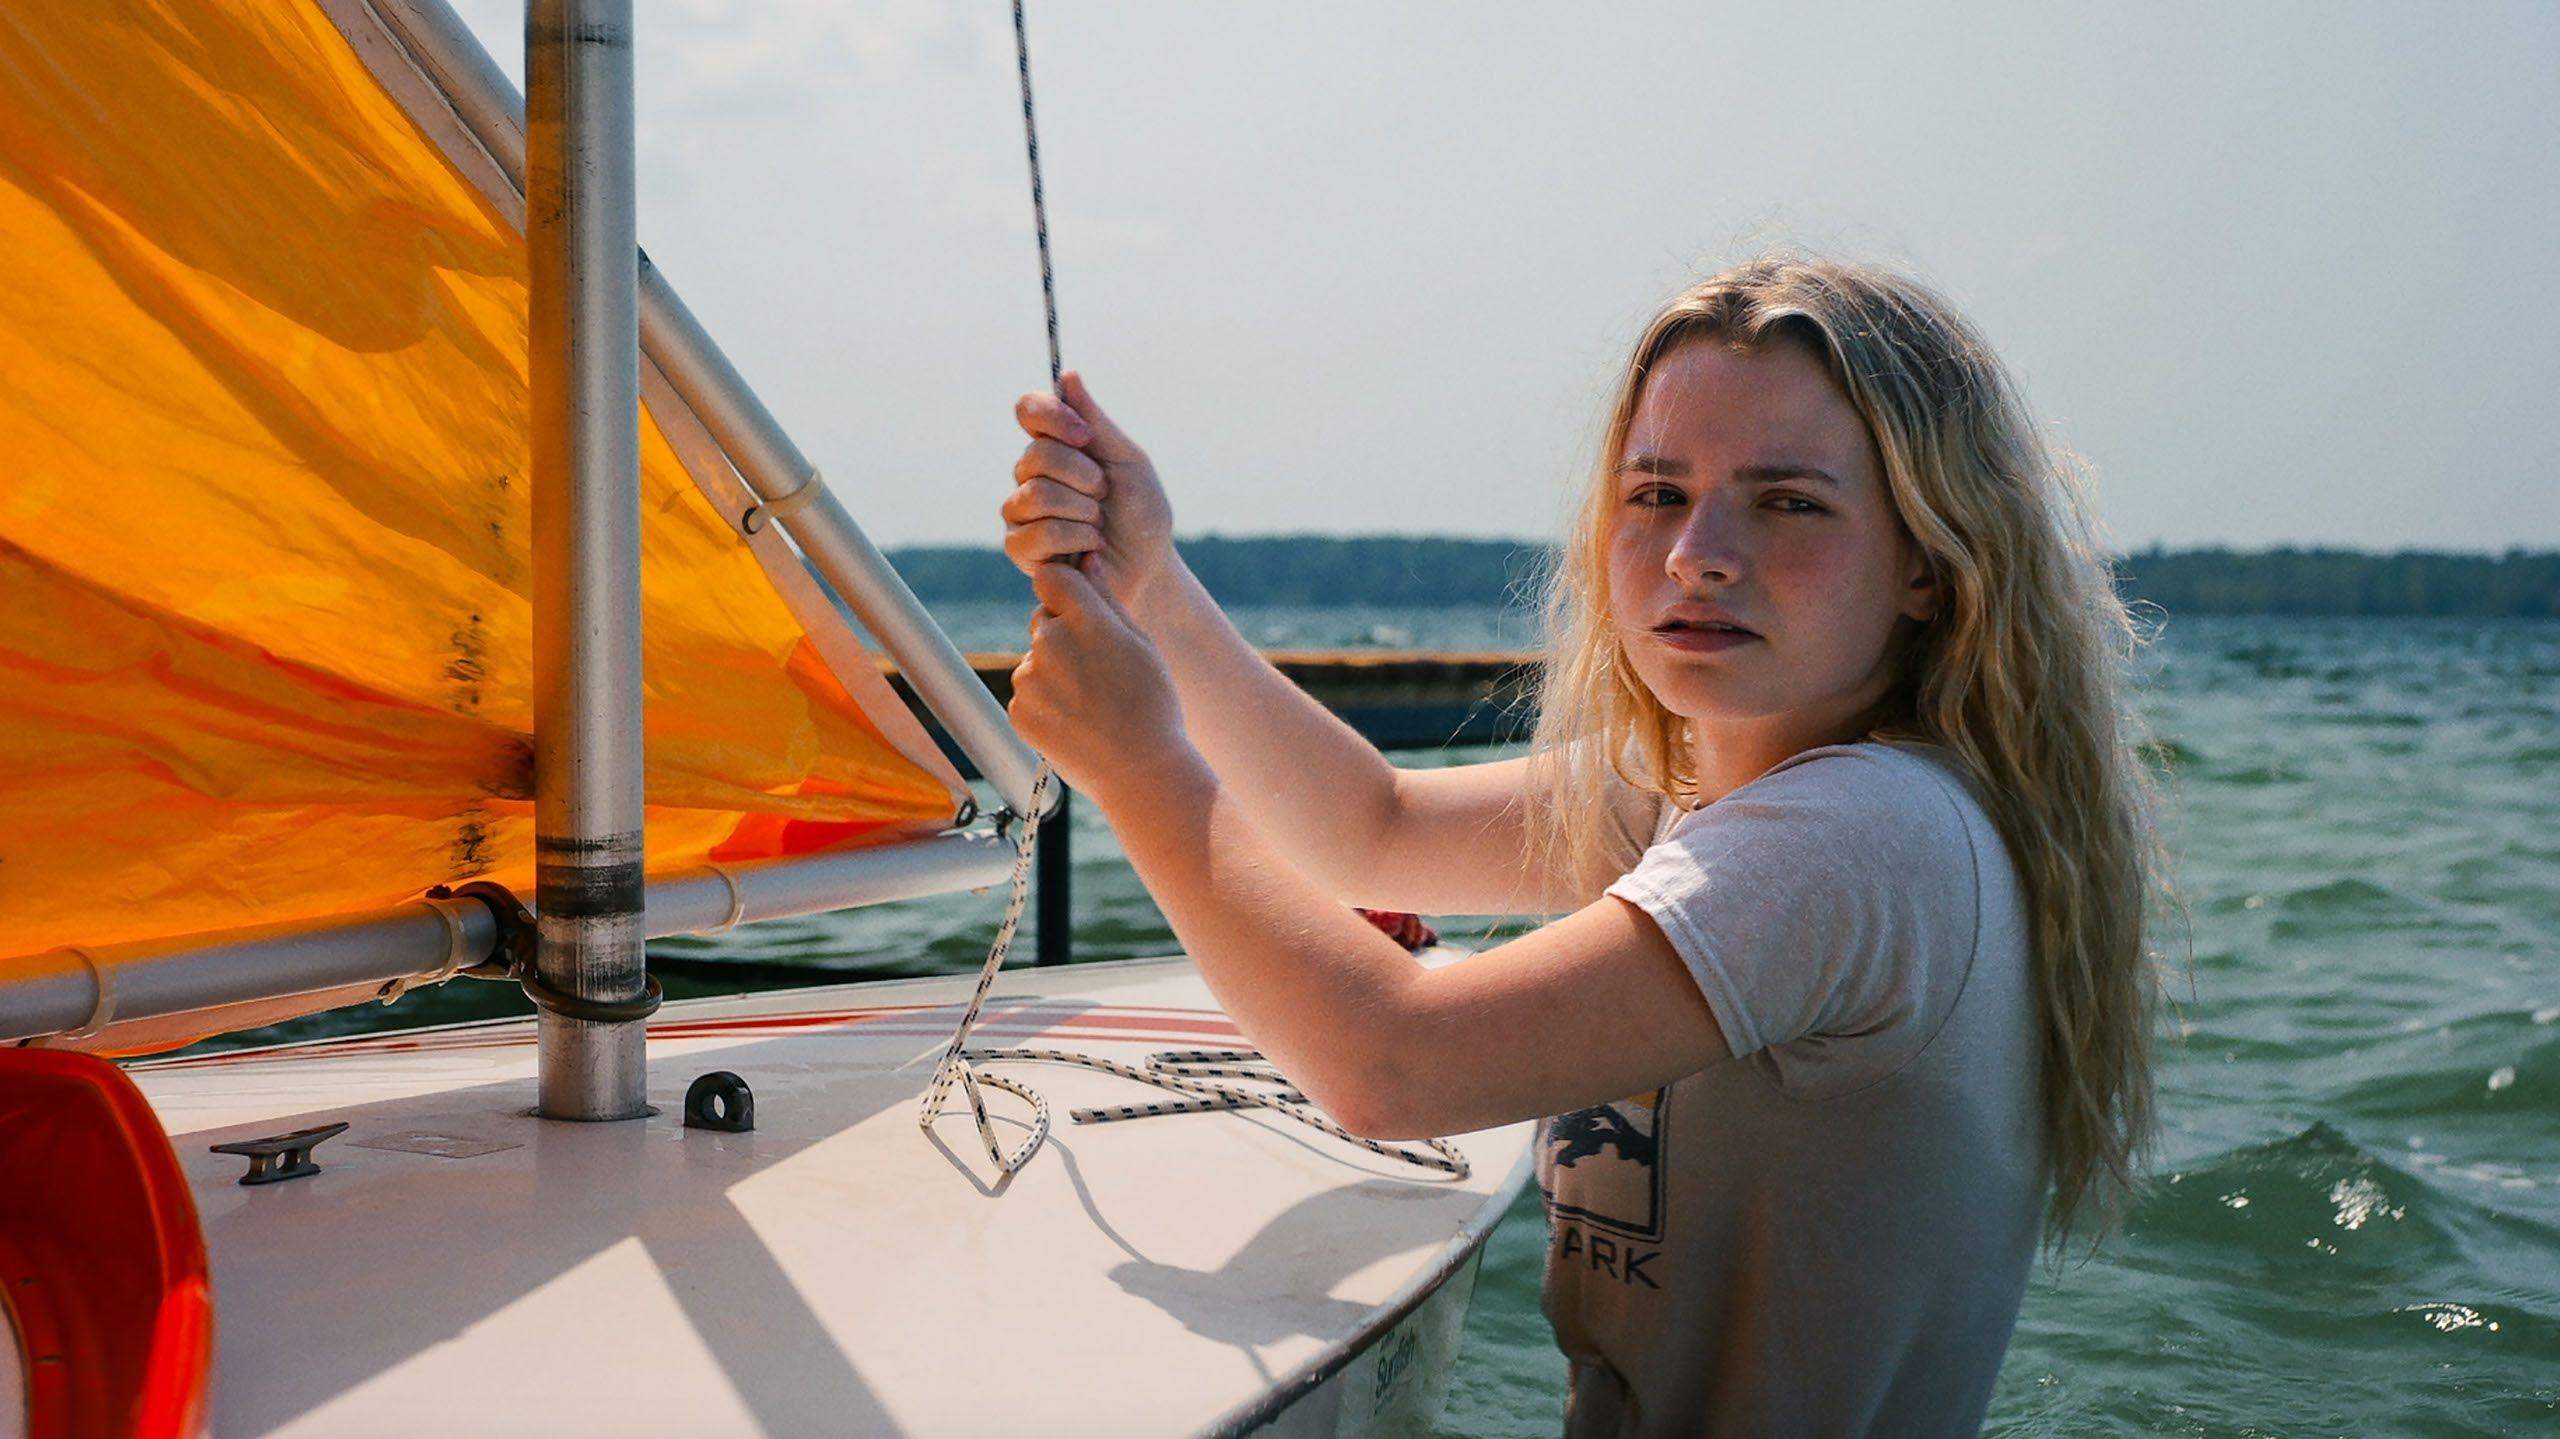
(2281, 272)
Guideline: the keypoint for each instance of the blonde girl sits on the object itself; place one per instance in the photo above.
(1845, 1004)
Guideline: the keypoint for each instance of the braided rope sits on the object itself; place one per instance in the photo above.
(1186, 1072)
(1170, 1070)
(1039, 198)
(955, 1059)
(1191, 1073)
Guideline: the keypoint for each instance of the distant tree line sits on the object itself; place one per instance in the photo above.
(1402, 572)
(2519, 583)
(1311, 570)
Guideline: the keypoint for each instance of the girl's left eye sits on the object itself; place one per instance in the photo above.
(1795, 505)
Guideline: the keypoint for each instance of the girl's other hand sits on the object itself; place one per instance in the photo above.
(1084, 487)
(1092, 693)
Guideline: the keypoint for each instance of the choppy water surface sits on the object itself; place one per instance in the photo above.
(2356, 1228)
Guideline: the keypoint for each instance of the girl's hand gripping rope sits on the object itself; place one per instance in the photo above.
(1092, 693)
(1083, 487)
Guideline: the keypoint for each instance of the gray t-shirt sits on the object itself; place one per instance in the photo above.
(1828, 1234)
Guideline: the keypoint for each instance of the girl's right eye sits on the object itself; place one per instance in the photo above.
(1655, 497)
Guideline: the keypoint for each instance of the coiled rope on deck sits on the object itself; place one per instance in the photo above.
(1207, 1080)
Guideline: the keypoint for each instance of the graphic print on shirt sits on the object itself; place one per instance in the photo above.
(1603, 1165)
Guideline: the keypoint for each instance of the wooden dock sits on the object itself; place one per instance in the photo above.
(1398, 699)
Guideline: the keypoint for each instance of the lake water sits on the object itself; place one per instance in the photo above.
(2356, 1224)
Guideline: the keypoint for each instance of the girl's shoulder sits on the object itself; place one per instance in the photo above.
(1840, 899)
(1883, 771)
(1904, 787)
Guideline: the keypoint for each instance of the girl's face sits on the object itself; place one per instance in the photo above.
(1757, 568)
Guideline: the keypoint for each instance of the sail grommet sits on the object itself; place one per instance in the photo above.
(781, 506)
(721, 1101)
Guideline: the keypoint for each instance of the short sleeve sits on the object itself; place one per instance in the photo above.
(1828, 910)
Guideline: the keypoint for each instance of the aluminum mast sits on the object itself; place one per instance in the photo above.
(581, 234)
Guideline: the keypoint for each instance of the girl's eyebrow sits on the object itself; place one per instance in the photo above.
(1784, 470)
(1762, 474)
(1653, 465)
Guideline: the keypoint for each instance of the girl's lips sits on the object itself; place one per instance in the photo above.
(1703, 641)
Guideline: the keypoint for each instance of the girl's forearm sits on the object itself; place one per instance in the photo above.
(1308, 981)
(1315, 788)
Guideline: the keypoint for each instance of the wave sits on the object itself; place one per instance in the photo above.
(2164, 753)
(2328, 717)
(2503, 1066)
(2315, 1238)
(2343, 896)
(2257, 776)
(2316, 1203)
(2289, 1192)
(2303, 1285)
(2355, 908)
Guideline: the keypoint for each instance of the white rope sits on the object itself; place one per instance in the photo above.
(1191, 1073)
(955, 1062)
(1185, 1072)
(1039, 195)
(1188, 1072)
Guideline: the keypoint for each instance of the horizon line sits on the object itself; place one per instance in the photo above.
(2286, 547)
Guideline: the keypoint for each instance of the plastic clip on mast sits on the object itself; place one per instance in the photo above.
(581, 238)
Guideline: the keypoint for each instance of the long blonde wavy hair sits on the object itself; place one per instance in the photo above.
(2020, 675)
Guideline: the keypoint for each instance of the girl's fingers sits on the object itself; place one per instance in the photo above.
(1108, 442)
(1031, 545)
(1070, 594)
(1042, 499)
(1051, 584)
(1088, 568)
(1046, 415)
(1046, 458)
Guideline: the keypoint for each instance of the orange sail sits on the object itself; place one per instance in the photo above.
(264, 643)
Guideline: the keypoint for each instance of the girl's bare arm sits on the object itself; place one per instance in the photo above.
(1440, 841)
(1437, 841)
(1391, 1048)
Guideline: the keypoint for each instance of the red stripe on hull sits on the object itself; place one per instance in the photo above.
(1032, 1020)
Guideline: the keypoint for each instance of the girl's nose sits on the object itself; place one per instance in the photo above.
(1707, 548)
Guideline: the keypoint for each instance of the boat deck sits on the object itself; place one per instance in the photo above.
(460, 1267)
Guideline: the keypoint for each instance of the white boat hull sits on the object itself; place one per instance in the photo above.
(459, 1267)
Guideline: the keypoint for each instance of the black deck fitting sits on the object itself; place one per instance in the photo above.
(281, 1157)
(720, 1100)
